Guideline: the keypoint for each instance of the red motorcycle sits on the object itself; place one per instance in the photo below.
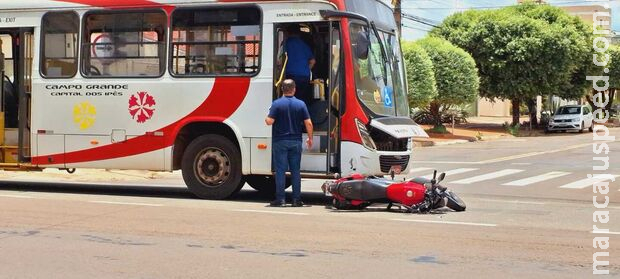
(417, 195)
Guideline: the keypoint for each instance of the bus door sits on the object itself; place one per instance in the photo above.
(324, 101)
(15, 91)
(335, 87)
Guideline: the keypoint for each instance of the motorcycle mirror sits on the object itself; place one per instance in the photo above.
(442, 176)
(434, 180)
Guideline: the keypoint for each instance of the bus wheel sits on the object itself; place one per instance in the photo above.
(212, 167)
(265, 184)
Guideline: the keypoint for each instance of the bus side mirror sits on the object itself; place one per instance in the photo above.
(362, 46)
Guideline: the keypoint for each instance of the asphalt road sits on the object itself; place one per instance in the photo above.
(529, 215)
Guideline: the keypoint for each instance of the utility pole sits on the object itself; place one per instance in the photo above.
(398, 14)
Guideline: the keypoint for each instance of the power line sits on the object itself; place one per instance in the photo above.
(421, 20)
(553, 3)
(416, 28)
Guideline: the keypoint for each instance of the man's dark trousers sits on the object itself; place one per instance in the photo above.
(287, 156)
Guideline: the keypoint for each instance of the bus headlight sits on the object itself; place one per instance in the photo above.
(365, 135)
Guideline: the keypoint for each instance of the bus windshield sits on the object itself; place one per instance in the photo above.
(379, 76)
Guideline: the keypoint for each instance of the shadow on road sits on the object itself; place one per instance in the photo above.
(141, 191)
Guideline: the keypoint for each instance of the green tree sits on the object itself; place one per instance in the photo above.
(614, 74)
(523, 51)
(456, 76)
(420, 76)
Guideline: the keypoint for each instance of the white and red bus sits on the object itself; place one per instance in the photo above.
(168, 85)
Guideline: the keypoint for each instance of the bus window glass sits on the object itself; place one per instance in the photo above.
(121, 44)
(7, 50)
(59, 39)
(216, 41)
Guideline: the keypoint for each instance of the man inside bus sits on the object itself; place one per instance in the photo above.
(288, 115)
(300, 63)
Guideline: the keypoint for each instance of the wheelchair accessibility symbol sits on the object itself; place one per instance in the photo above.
(387, 96)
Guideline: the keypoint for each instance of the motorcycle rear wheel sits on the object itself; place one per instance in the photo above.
(454, 202)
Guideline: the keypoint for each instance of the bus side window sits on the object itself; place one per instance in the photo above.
(216, 41)
(135, 48)
(59, 39)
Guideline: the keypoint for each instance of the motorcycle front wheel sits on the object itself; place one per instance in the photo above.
(454, 202)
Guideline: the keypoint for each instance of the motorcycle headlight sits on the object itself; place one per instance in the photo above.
(365, 135)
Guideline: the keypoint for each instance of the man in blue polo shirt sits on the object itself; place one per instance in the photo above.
(300, 63)
(288, 115)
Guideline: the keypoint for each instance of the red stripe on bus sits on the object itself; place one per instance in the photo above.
(225, 98)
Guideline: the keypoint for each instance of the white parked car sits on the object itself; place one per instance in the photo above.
(572, 118)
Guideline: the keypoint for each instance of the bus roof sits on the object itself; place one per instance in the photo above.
(63, 4)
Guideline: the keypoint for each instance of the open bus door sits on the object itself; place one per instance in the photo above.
(16, 57)
(327, 77)
(335, 87)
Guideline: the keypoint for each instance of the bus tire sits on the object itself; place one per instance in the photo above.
(265, 184)
(211, 167)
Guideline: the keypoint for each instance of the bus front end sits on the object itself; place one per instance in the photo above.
(377, 130)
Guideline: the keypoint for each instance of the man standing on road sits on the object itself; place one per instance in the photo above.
(300, 62)
(288, 115)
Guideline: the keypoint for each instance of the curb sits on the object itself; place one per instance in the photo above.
(440, 143)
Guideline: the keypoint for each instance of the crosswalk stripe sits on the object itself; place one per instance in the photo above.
(536, 179)
(452, 172)
(588, 182)
(487, 176)
(419, 170)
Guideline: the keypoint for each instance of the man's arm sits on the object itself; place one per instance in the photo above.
(309, 129)
(269, 121)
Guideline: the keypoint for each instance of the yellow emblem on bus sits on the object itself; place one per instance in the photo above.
(84, 115)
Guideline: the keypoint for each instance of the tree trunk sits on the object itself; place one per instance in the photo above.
(434, 109)
(516, 111)
(610, 97)
(533, 110)
(590, 101)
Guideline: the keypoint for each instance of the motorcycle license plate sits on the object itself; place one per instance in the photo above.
(396, 169)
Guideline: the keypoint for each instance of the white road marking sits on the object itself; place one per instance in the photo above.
(517, 202)
(509, 158)
(452, 172)
(446, 222)
(601, 232)
(271, 212)
(487, 176)
(531, 154)
(127, 203)
(17, 196)
(522, 164)
(536, 179)
(419, 170)
(584, 183)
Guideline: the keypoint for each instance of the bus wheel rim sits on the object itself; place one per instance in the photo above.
(213, 167)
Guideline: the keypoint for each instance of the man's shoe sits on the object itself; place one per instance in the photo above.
(297, 203)
(277, 203)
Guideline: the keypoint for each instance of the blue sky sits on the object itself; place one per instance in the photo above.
(437, 10)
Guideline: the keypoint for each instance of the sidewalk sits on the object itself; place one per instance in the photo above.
(95, 176)
(477, 129)
(461, 135)
(482, 129)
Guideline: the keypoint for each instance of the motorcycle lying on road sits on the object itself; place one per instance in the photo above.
(416, 195)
